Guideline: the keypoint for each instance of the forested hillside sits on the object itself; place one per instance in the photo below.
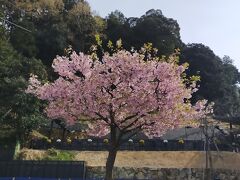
(33, 33)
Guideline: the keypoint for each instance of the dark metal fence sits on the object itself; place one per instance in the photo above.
(33, 178)
(135, 145)
(6, 153)
(43, 169)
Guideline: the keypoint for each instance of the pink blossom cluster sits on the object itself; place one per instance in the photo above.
(124, 91)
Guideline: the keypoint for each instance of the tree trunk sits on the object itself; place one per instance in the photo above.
(110, 163)
(50, 131)
(112, 149)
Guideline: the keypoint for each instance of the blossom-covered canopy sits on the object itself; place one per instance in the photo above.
(125, 91)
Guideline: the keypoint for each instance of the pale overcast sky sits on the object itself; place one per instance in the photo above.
(215, 23)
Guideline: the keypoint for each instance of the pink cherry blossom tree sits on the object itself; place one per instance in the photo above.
(123, 95)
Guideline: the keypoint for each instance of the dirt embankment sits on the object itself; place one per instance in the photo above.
(152, 159)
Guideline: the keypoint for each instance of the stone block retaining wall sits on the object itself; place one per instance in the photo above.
(163, 173)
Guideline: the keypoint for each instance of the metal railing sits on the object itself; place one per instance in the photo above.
(134, 145)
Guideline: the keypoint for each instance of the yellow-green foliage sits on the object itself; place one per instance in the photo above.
(53, 154)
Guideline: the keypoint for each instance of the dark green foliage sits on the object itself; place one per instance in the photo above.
(202, 61)
(18, 110)
(51, 38)
(117, 27)
(163, 32)
(24, 41)
(81, 24)
(229, 103)
(219, 77)
(152, 27)
(53, 24)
